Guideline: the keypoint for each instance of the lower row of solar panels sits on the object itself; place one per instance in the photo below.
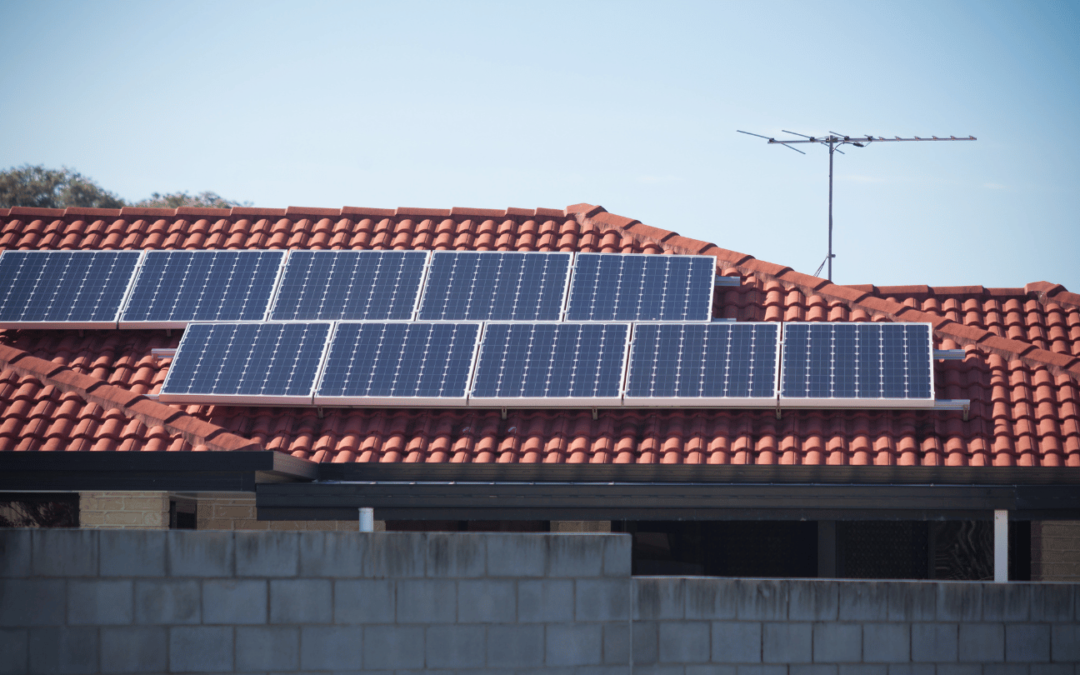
(527, 365)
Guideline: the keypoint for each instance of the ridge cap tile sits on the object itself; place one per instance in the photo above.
(36, 211)
(584, 210)
(812, 282)
(299, 211)
(89, 211)
(549, 213)
(411, 211)
(366, 211)
(462, 211)
(253, 211)
(145, 211)
(203, 211)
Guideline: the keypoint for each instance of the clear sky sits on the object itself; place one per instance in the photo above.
(633, 106)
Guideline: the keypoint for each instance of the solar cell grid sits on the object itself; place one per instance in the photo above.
(349, 285)
(538, 364)
(495, 286)
(388, 363)
(64, 289)
(174, 288)
(247, 363)
(857, 365)
(714, 365)
(634, 287)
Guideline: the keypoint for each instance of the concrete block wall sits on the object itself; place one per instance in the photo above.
(237, 512)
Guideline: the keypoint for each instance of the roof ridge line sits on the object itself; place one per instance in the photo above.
(852, 296)
(131, 405)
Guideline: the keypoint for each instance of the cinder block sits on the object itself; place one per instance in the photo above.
(333, 554)
(202, 649)
(602, 599)
(912, 601)
(684, 641)
(167, 602)
(710, 599)
(516, 555)
(655, 669)
(1048, 669)
(515, 646)
(1027, 643)
(134, 649)
(455, 555)
(64, 553)
(982, 643)
(911, 669)
(959, 602)
(267, 554)
(194, 553)
(132, 553)
(32, 602)
(1065, 642)
(231, 601)
(99, 603)
(659, 598)
(762, 670)
(617, 555)
(364, 601)
(574, 644)
(1005, 669)
(14, 646)
(547, 600)
(761, 599)
(393, 647)
(617, 642)
(331, 648)
(427, 601)
(301, 601)
(864, 601)
(63, 650)
(711, 669)
(267, 648)
(813, 600)
(787, 643)
(646, 642)
(576, 555)
(886, 642)
(959, 669)
(736, 642)
(487, 601)
(812, 669)
(1006, 602)
(933, 642)
(455, 646)
(837, 642)
(15, 553)
(1051, 602)
(864, 669)
(395, 554)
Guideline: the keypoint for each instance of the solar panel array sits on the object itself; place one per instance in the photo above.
(495, 286)
(632, 287)
(64, 289)
(247, 363)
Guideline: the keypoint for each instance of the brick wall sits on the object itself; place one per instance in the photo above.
(238, 513)
(124, 510)
(246, 602)
(1055, 550)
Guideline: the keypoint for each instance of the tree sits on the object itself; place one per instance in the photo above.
(173, 200)
(51, 189)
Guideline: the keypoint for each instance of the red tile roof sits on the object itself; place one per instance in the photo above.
(62, 390)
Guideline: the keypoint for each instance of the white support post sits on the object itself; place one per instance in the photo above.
(367, 520)
(1001, 547)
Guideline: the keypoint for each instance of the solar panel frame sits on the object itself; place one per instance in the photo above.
(165, 396)
(128, 323)
(274, 314)
(397, 401)
(764, 402)
(580, 256)
(550, 401)
(110, 324)
(440, 254)
(856, 403)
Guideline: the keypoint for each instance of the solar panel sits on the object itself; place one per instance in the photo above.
(635, 287)
(857, 365)
(400, 364)
(495, 286)
(696, 364)
(247, 364)
(343, 285)
(64, 289)
(550, 364)
(174, 288)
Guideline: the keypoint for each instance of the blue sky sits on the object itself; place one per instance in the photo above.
(633, 106)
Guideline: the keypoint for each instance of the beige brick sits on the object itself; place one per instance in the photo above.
(234, 511)
(156, 520)
(90, 519)
(122, 518)
(145, 504)
(250, 524)
(110, 504)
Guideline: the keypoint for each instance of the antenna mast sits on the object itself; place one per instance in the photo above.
(834, 140)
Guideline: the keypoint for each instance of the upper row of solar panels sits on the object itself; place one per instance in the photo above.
(170, 289)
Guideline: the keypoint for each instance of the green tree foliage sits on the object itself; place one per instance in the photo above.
(51, 189)
(176, 199)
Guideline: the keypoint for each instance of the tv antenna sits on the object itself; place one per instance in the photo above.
(834, 140)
